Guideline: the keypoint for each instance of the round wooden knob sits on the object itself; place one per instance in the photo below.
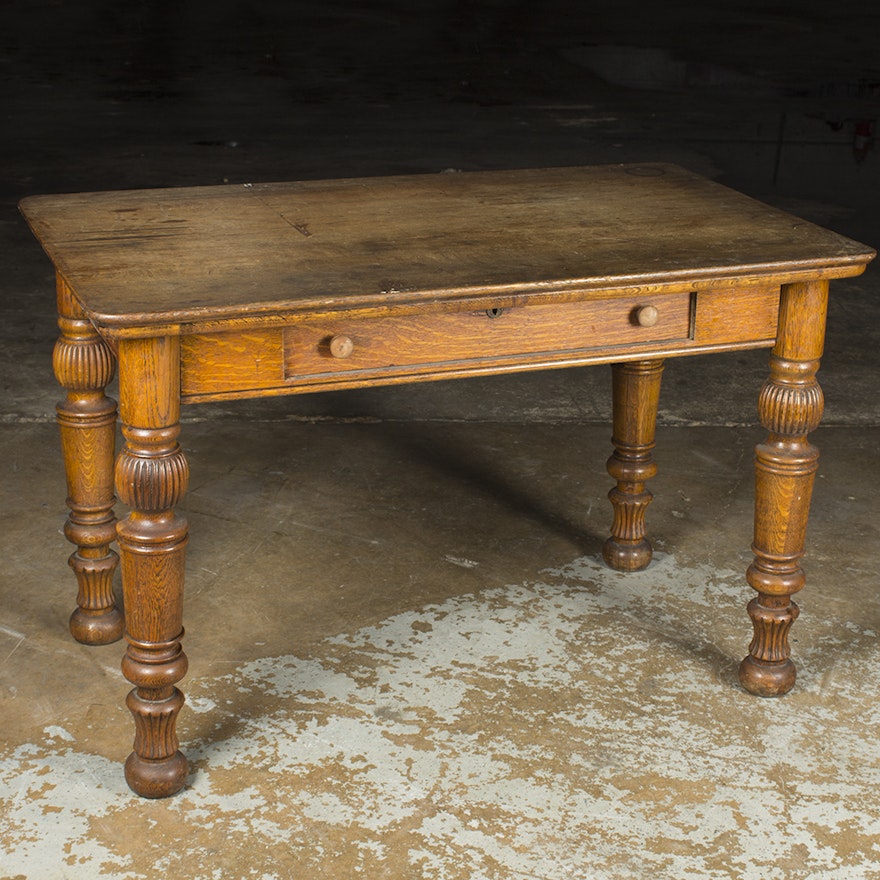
(341, 346)
(647, 316)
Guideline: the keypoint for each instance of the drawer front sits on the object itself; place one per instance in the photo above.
(343, 352)
(537, 334)
(735, 317)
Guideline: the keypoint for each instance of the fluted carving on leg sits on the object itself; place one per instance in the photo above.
(770, 641)
(151, 471)
(790, 406)
(791, 402)
(151, 477)
(84, 366)
(636, 391)
(95, 580)
(155, 725)
(81, 360)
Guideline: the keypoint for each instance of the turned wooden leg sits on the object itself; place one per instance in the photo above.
(790, 406)
(636, 390)
(84, 365)
(151, 478)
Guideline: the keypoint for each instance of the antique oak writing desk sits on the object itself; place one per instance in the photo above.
(242, 291)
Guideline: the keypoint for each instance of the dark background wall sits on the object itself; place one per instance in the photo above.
(305, 88)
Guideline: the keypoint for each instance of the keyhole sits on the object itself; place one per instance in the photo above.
(494, 313)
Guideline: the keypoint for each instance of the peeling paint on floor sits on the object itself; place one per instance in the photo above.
(585, 726)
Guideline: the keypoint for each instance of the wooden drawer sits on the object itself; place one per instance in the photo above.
(371, 348)
(415, 347)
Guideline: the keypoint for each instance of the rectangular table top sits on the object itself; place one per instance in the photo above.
(145, 260)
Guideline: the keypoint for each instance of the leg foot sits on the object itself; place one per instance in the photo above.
(165, 774)
(156, 779)
(101, 628)
(627, 557)
(767, 671)
(767, 679)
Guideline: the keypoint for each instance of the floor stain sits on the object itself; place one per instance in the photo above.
(532, 730)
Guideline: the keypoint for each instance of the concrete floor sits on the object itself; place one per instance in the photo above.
(406, 658)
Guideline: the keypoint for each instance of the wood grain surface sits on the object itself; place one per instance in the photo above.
(146, 262)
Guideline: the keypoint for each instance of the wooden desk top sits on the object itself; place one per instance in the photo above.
(147, 262)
